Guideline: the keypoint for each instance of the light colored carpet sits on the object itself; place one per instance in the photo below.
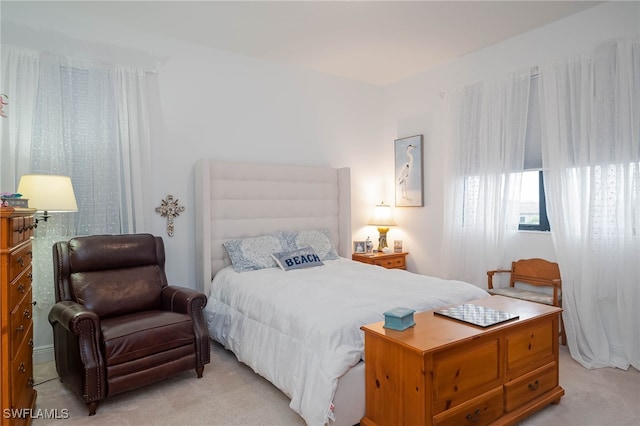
(231, 394)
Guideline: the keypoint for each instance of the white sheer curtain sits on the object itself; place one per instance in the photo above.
(485, 123)
(590, 118)
(82, 119)
(19, 82)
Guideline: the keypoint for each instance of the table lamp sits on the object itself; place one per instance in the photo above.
(383, 220)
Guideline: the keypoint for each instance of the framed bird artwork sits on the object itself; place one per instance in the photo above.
(409, 181)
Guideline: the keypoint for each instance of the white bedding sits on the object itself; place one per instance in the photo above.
(300, 329)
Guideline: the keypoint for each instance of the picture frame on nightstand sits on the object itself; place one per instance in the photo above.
(359, 247)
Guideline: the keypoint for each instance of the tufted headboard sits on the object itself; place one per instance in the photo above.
(241, 200)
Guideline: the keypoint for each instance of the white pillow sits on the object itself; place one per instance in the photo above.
(319, 240)
(250, 254)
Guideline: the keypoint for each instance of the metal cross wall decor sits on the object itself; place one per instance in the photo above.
(170, 209)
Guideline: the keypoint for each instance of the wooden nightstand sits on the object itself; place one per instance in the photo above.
(389, 261)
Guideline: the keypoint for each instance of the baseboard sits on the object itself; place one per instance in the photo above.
(43, 354)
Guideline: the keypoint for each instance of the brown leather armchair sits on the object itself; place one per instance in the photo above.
(117, 324)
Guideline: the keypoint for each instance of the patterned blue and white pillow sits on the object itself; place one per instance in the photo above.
(318, 239)
(250, 254)
(297, 259)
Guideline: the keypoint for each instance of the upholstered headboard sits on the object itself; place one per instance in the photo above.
(242, 200)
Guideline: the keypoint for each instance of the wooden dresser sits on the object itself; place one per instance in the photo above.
(389, 261)
(444, 372)
(17, 395)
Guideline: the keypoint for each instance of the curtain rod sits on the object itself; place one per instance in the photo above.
(76, 58)
(535, 71)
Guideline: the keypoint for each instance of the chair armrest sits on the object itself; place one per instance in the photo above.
(76, 338)
(75, 318)
(183, 300)
(490, 275)
(557, 288)
(191, 302)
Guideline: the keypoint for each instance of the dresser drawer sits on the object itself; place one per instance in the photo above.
(22, 373)
(20, 229)
(16, 226)
(20, 323)
(528, 387)
(19, 287)
(465, 372)
(530, 347)
(19, 260)
(478, 411)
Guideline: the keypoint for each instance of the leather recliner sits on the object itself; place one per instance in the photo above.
(117, 324)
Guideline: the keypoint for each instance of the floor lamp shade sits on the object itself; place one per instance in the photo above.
(48, 193)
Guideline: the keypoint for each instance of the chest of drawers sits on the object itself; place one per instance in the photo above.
(445, 372)
(17, 396)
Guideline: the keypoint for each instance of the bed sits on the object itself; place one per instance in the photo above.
(300, 328)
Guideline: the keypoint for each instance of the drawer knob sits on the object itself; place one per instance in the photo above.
(20, 328)
(20, 261)
(21, 288)
(27, 314)
(30, 343)
(534, 386)
(30, 382)
(30, 275)
(22, 368)
(475, 416)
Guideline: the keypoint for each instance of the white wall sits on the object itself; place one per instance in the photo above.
(413, 106)
(215, 104)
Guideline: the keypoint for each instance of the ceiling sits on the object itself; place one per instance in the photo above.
(377, 42)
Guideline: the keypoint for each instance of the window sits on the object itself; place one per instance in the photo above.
(533, 209)
(78, 136)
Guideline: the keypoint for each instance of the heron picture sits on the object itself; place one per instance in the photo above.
(408, 156)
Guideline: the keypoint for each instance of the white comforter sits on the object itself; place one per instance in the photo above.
(301, 329)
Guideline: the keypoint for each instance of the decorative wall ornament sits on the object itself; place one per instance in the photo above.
(3, 102)
(170, 209)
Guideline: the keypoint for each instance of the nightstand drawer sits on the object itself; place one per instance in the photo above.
(391, 262)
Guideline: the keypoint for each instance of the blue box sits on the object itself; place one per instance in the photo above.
(399, 319)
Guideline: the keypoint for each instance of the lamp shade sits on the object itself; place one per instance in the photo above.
(382, 216)
(49, 193)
